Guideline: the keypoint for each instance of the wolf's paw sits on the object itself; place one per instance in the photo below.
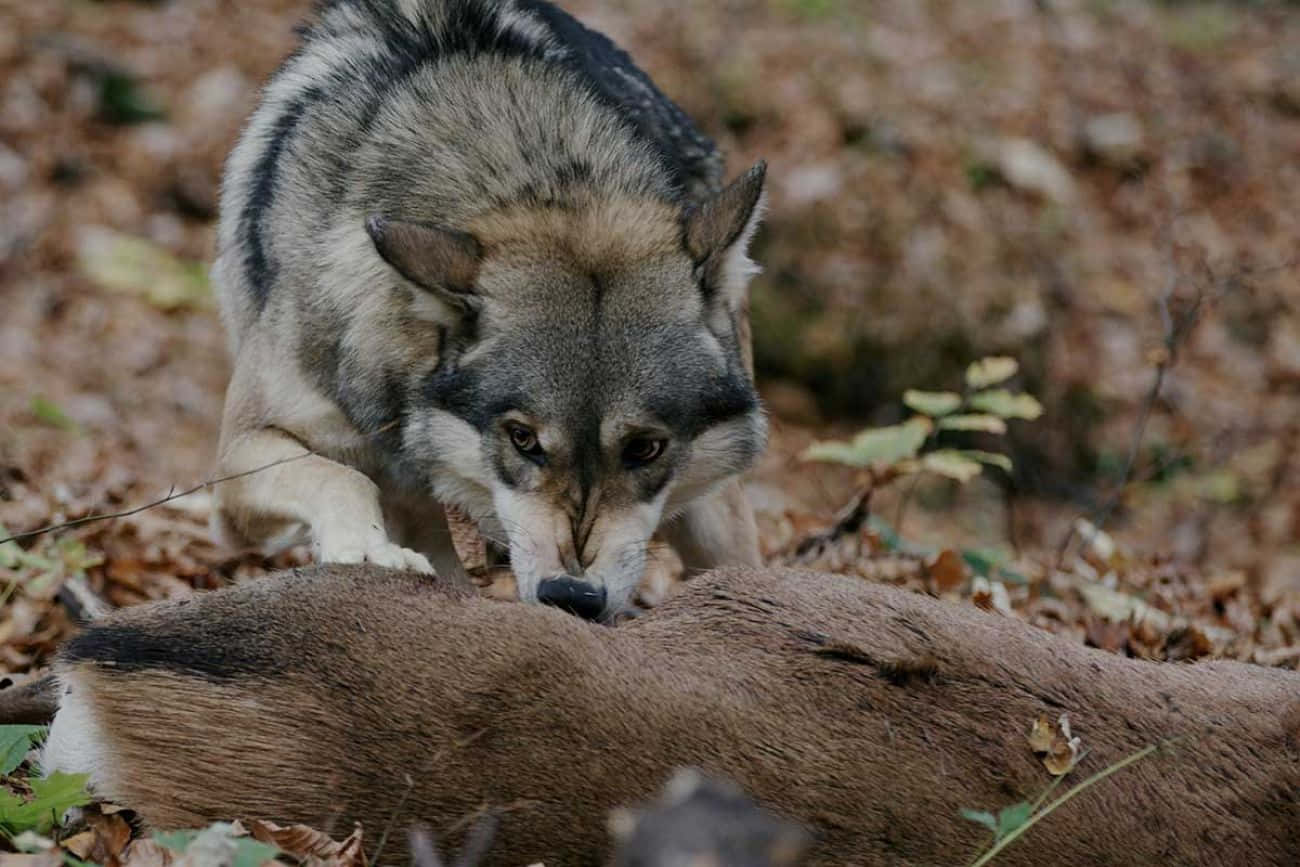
(372, 549)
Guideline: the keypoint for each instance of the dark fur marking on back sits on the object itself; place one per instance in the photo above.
(217, 656)
(689, 157)
(899, 672)
(469, 28)
(260, 268)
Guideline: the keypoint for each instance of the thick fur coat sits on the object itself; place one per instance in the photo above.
(469, 254)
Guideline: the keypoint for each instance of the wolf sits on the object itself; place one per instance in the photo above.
(469, 254)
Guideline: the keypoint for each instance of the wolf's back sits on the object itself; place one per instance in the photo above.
(434, 108)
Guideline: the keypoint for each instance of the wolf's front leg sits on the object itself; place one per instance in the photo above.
(420, 522)
(288, 492)
(717, 530)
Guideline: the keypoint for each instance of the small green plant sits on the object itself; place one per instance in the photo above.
(1013, 821)
(912, 446)
(42, 569)
(50, 413)
(15, 742)
(45, 799)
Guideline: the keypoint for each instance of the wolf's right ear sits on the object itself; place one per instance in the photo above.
(718, 233)
(443, 261)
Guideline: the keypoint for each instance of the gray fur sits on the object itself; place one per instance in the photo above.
(533, 258)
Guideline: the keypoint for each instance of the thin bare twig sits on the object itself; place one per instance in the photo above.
(851, 516)
(1173, 332)
(397, 811)
(1175, 329)
(172, 495)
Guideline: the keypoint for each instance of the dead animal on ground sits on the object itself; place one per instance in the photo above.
(304, 697)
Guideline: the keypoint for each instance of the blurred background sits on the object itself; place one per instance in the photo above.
(1104, 191)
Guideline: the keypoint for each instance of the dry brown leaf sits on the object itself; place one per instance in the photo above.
(302, 841)
(146, 852)
(1227, 584)
(1041, 734)
(1107, 634)
(947, 571)
(1054, 744)
(81, 844)
(991, 596)
(1147, 640)
(1063, 756)
(1189, 643)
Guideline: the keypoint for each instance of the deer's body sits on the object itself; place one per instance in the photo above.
(868, 714)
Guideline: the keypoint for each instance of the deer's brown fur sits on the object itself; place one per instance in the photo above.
(354, 693)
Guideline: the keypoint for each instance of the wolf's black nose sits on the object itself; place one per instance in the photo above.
(577, 597)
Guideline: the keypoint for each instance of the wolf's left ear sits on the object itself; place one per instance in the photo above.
(444, 261)
(718, 233)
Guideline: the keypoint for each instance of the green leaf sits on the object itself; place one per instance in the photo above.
(982, 817)
(832, 452)
(49, 413)
(251, 853)
(123, 99)
(1003, 403)
(52, 796)
(974, 421)
(886, 445)
(177, 841)
(980, 561)
(248, 852)
(75, 557)
(875, 446)
(15, 741)
(1012, 576)
(990, 371)
(950, 463)
(886, 532)
(125, 263)
(1011, 818)
(993, 459)
(60, 791)
(932, 403)
(1219, 486)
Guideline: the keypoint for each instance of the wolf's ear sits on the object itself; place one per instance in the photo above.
(443, 261)
(718, 233)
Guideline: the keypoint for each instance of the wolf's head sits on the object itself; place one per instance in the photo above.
(591, 377)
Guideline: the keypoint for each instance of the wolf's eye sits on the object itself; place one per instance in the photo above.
(525, 440)
(642, 450)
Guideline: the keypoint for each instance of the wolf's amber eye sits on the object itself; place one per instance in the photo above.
(642, 450)
(525, 440)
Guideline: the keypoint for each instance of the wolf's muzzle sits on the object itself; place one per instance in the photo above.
(577, 597)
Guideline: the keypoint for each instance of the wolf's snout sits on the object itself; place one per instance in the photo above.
(577, 597)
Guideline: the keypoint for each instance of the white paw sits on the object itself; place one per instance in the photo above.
(374, 548)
